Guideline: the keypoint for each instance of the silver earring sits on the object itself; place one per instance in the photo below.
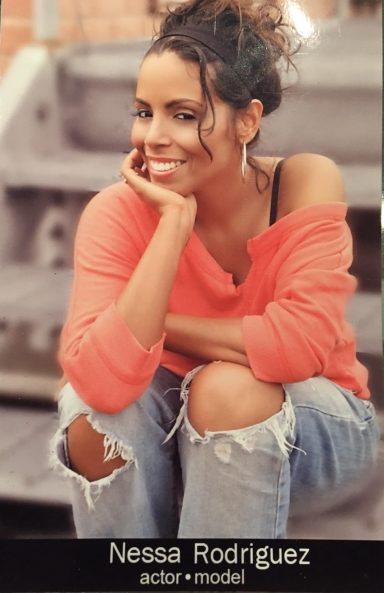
(244, 160)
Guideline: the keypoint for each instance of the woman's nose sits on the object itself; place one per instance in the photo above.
(157, 134)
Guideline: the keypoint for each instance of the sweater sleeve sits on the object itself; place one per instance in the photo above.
(100, 356)
(304, 322)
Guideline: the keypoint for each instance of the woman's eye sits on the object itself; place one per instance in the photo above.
(142, 113)
(184, 116)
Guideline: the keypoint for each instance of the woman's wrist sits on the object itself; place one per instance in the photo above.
(177, 220)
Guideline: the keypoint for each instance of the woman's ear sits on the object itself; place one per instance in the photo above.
(248, 121)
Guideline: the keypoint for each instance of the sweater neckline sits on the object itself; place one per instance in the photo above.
(268, 237)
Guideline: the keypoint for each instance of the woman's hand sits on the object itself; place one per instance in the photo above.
(161, 199)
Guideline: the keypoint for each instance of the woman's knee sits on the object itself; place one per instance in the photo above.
(86, 451)
(227, 396)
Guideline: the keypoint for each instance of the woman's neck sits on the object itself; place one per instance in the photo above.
(230, 203)
(221, 203)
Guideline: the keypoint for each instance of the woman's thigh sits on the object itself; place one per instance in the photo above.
(336, 442)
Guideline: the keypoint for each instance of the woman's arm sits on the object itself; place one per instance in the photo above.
(206, 338)
(144, 301)
(301, 325)
(112, 341)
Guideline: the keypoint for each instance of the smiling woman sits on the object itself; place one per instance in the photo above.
(212, 378)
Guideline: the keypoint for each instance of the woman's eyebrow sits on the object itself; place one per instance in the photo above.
(170, 103)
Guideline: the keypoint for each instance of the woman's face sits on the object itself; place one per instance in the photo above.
(169, 104)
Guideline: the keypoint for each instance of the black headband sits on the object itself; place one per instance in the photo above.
(208, 38)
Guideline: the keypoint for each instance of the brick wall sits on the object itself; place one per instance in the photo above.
(16, 28)
(79, 20)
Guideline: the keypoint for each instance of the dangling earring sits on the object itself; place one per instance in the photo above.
(244, 160)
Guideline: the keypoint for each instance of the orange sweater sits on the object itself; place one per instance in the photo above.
(292, 302)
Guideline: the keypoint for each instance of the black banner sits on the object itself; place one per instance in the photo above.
(191, 565)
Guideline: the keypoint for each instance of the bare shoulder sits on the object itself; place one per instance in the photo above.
(308, 179)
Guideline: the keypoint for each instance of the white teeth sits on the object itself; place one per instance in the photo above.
(157, 166)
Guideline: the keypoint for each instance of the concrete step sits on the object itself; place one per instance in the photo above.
(362, 185)
(70, 169)
(364, 312)
(26, 386)
(34, 293)
(25, 474)
(33, 303)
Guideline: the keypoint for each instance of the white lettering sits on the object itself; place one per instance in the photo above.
(217, 556)
(225, 578)
(231, 555)
(201, 550)
(290, 556)
(148, 555)
(133, 555)
(279, 559)
(174, 556)
(305, 552)
(114, 549)
(160, 578)
(261, 555)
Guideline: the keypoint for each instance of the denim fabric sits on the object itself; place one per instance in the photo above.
(237, 484)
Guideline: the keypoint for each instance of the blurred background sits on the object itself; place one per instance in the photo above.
(68, 70)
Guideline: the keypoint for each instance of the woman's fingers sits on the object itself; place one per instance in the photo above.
(134, 173)
(146, 190)
(131, 161)
(132, 164)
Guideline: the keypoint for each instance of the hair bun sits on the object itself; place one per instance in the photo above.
(264, 20)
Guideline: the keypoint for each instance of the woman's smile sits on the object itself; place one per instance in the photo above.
(162, 167)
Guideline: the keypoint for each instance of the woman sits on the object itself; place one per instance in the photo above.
(206, 333)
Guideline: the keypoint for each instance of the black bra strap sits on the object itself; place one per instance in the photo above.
(275, 192)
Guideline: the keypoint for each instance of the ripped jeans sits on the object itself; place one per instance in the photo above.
(231, 484)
